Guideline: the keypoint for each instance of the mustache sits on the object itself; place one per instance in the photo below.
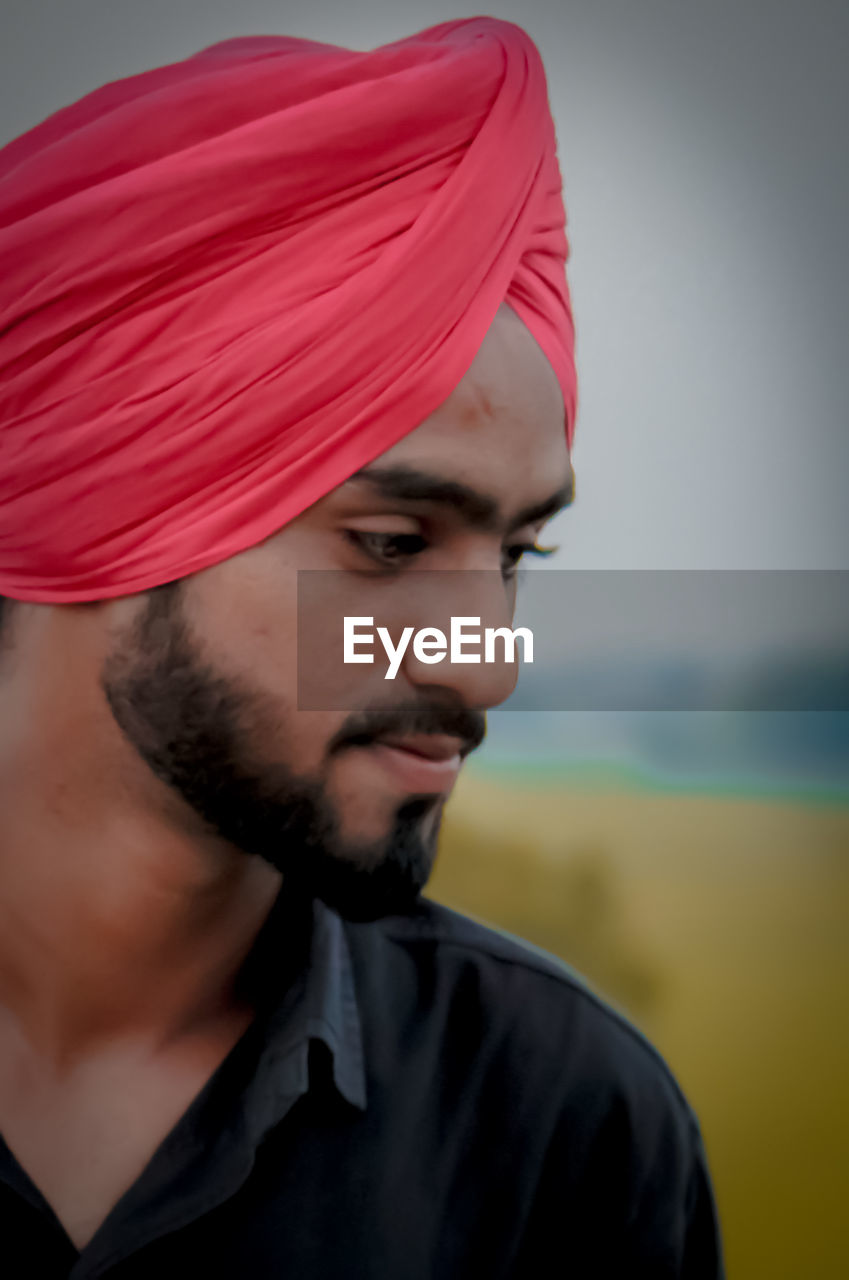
(366, 727)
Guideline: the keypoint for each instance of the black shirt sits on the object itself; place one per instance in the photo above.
(418, 1098)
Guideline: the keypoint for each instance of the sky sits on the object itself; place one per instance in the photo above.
(704, 152)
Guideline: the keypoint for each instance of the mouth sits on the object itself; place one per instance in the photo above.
(423, 763)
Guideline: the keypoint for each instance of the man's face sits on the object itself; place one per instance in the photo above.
(204, 680)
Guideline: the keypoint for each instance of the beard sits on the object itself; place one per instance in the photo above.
(193, 727)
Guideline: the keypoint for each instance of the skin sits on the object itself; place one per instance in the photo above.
(130, 893)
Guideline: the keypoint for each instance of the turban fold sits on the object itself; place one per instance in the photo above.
(229, 283)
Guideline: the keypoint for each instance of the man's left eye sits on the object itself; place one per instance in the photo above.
(512, 555)
(388, 548)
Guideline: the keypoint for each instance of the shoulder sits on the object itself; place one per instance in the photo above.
(544, 1013)
(528, 1060)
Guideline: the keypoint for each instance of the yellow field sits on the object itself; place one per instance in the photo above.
(720, 926)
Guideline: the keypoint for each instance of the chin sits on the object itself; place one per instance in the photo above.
(378, 831)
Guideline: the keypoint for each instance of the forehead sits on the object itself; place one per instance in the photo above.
(502, 429)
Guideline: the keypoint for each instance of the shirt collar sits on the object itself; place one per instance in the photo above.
(319, 999)
(331, 1003)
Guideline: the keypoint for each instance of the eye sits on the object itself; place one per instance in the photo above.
(387, 548)
(512, 555)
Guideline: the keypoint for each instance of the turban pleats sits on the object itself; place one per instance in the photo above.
(228, 284)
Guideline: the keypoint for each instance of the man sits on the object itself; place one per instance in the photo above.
(284, 307)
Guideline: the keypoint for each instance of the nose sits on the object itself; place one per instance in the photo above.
(463, 606)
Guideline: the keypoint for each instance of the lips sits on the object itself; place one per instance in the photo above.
(431, 746)
(426, 764)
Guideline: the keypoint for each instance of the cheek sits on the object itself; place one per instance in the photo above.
(277, 733)
(246, 617)
(299, 739)
(244, 613)
(244, 626)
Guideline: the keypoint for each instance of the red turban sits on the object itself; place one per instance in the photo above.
(229, 283)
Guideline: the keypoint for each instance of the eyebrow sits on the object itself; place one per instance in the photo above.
(481, 510)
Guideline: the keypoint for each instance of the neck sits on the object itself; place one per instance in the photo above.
(116, 922)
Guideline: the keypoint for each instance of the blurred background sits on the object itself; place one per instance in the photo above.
(694, 865)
